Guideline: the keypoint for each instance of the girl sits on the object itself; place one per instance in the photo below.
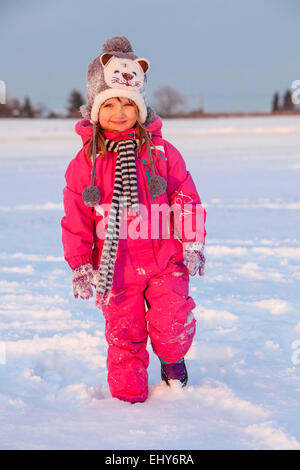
(133, 225)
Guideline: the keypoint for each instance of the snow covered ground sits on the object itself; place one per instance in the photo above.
(244, 364)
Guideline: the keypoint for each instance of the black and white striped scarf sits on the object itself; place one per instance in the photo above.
(125, 194)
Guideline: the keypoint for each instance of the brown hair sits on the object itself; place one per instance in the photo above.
(100, 139)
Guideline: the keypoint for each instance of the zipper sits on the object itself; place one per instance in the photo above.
(148, 174)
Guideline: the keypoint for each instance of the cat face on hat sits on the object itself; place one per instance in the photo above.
(122, 72)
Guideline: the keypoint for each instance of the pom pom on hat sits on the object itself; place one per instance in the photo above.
(117, 44)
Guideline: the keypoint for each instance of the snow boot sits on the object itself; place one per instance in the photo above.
(174, 371)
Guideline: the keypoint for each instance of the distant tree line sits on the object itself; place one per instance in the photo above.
(167, 102)
(284, 103)
(17, 109)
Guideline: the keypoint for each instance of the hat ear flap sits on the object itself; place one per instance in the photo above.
(144, 64)
(105, 58)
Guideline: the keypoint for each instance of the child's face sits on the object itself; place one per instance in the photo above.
(117, 114)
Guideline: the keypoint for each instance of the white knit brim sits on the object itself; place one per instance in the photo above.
(121, 93)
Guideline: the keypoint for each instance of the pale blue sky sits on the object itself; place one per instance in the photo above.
(234, 52)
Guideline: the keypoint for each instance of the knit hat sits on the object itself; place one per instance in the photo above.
(117, 72)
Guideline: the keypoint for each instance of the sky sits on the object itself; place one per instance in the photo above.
(229, 55)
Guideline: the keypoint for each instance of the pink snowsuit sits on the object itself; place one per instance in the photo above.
(148, 269)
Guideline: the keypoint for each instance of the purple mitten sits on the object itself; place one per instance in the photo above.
(83, 279)
(194, 259)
